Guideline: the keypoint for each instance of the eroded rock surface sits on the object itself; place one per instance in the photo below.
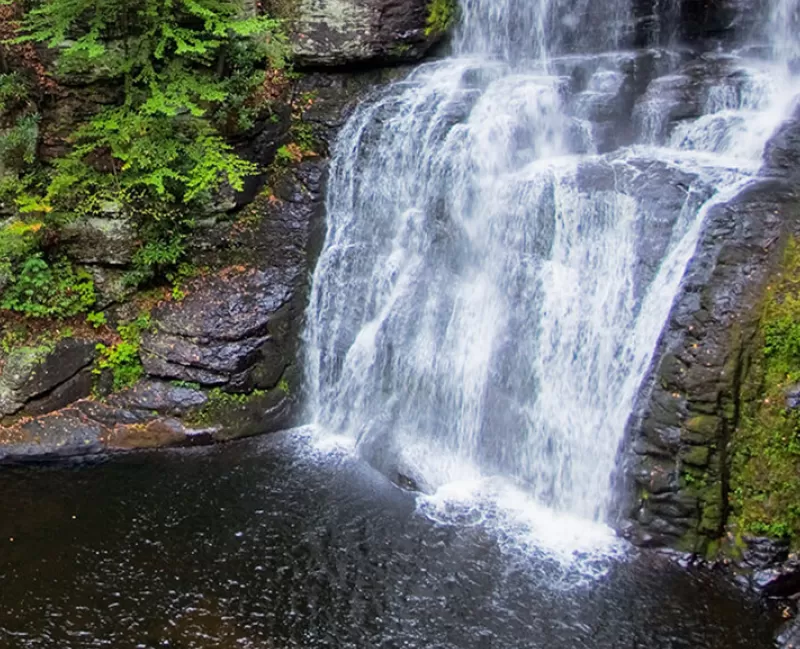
(220, 330)
(33, 377)
(346, 32)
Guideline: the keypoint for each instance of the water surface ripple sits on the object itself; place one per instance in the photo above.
(271, 544)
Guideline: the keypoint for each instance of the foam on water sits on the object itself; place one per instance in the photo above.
(574, 551)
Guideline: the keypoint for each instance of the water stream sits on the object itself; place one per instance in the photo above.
(507, 229)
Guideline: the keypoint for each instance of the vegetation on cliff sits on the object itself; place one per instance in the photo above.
(184, 74)
(765, 491)
(441, 16)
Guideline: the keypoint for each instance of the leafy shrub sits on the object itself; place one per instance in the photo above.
(122, 358)
(42, 290)
(18, 239)
(167, 56)
(183, 65)
(96, 319)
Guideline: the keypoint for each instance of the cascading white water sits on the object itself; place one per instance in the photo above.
(783, 32)
(497, 270)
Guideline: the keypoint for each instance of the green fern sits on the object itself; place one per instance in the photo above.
(158, 153)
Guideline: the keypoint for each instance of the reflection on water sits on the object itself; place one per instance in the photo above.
(268, 543)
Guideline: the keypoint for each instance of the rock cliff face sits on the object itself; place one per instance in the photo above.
(219, 363)
(691, 404)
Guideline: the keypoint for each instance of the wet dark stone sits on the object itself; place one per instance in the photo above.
(67, 358)
(762, 552)
(109, 415)
(74, 388)
(789, 635)
(781, 581)
(229, 306)
(706, 23)
(160, 397)
(45, 376)
(64, 434)
(404, 482)
(672, 505)
(217, 331)
(782, 153)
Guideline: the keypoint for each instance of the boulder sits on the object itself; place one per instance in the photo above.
(100, 240)
(348, 32)
(45, 374)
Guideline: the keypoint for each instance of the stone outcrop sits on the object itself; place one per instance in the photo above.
(229, 347)
(38, 379)
(105, 241)
(347, 32)
(227, 326)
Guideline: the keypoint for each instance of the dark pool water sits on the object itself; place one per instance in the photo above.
(264, 544)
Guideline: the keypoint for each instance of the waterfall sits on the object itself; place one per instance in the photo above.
(507, 230)
(783, 28)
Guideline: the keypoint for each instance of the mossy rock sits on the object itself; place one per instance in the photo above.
(701, 428)
(695, 455)
(765, 469)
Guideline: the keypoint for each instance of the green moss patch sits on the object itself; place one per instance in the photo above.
(765, 469)
(222, 406)
(441, 16)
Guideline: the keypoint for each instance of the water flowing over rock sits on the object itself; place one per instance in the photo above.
(507, 231)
